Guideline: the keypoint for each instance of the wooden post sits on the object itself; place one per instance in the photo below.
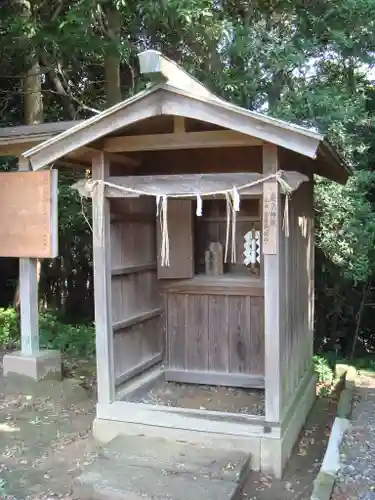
(28, 283)
(102, 283)
(272, 284)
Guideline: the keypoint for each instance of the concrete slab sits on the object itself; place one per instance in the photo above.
(105, 431)
(178, 457)
(45, 364)
(140, 467)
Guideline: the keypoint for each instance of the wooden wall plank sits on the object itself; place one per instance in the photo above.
(257, 334)
(297, 334)
(218, 333)
(197, 332)
(136, 345)
(176, 326)
(215, 334)
(199, 161)
(136, 301)
(239, 335)
(181, 241)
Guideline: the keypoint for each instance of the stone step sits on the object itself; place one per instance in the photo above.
(177, 457)
(143, 468)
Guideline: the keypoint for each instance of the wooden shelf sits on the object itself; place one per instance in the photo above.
(227, 284)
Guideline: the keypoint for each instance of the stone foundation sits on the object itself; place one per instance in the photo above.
(43, 365)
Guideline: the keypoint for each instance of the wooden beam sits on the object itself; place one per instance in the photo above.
(208, 285)
(140, 268)
(138, 318)
(113, 157)
(245, 380)
(140, 368)
(95, 129)
(226, 115)
(178, 140)
(82, 159)
(200, 422)
(179, 125)
(272, 287)
(102, 284)
(162, 69)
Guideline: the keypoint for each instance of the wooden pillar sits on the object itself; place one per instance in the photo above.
(102, 283)
(28, 283)
(272, 286)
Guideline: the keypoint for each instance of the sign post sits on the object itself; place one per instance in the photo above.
(28, 230)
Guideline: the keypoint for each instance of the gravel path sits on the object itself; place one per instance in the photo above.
(356, 479)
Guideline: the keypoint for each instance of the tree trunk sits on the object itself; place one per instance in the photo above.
(112, 57)
(32, 103)
(366, 289)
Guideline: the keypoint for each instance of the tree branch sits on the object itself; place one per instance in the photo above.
(59, 87)
(64, 91)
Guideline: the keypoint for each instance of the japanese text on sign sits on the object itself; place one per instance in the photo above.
(270, 218)
(28, 206)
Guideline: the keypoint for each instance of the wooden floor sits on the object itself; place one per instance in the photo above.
(202, 397)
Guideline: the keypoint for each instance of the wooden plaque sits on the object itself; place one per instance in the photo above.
(28, 208)
(270, 214)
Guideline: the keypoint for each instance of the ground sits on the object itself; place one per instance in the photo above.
(228, 399)
(45, 437)
(305, 462)
(45, 442)
(356, 480)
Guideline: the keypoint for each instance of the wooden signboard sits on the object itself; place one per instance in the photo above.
(270, 209)
(28, 208)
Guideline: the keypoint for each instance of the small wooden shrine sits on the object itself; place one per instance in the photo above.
(203, 230)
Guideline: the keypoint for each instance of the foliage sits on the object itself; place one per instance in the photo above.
(323, 371)
(66, 282)
(347, 226)
(77, 340)
(366, 364)
(9, 328)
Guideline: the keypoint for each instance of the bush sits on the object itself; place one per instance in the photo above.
(323, 370)
(9, 328)
(77, 340)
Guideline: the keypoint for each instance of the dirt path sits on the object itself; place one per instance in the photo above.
(305, 462)
(44, 437)
(356, 479)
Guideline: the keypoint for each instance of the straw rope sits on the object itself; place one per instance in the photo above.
(232, 196)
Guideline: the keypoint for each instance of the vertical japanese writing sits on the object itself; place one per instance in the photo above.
(270, 202)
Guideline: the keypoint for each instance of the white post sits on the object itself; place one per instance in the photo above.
(102, 283)
(29, 307)
(28, 283)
